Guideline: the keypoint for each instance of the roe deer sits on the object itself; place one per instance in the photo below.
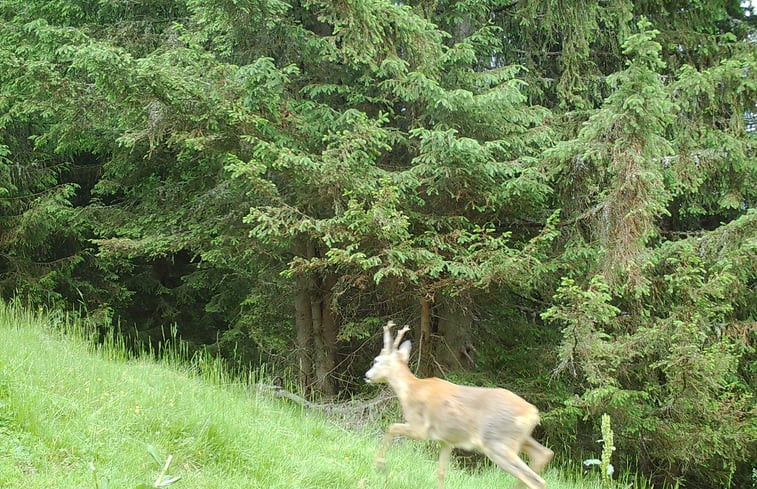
(495, 422)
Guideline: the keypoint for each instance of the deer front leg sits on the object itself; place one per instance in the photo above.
(381, 454)
(443, 463)
(397, 429)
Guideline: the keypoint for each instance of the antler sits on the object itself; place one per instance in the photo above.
(388, 337)
(399, 336)
(388, 345)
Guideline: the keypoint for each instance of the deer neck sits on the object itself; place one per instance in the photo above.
(402, 383)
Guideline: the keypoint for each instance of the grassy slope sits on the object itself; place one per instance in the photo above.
(70, 417)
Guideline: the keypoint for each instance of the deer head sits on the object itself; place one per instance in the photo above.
(392, 356)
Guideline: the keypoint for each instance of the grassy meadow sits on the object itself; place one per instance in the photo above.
(73, 415)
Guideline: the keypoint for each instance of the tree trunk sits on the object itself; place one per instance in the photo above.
(425, 355)
(315, 329)
(445, 337)
(324, 336)
(303, 326)
(316, 308)
(454, 350)
(325, 370)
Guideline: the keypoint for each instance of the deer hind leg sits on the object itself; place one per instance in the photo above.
(397, 429)
(538, 455)
(509, 461)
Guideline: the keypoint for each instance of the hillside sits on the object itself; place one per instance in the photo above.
(74, 417)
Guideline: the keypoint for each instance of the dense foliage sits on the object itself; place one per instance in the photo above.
(560, 195)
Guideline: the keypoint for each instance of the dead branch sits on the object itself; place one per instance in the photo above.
(344, 407)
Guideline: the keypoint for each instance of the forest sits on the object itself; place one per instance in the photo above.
(559, 198)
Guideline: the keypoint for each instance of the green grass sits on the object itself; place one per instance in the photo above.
(76, 416)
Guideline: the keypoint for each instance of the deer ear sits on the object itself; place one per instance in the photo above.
(404, 351)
